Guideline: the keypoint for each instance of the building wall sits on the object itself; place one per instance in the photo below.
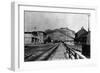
(27, 38)
(88, 39)
(40, 37)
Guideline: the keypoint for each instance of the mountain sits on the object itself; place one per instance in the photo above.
(61, 34)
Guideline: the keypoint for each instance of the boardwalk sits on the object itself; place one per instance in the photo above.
(59, 53)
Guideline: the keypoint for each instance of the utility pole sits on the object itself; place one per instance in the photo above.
(88, 22)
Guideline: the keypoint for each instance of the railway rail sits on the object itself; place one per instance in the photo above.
(41, 54)
(46, 53)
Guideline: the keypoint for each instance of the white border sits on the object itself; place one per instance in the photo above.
(18, 37)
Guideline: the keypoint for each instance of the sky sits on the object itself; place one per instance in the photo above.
(41, 21)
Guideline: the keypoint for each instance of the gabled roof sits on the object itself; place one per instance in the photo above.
(82, 32)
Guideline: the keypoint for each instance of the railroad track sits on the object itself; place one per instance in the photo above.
(50, 52)
(43, 55)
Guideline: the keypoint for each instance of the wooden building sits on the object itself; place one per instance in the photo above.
(35, 37)
(82, 37)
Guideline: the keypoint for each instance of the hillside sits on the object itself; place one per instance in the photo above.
(61, 34)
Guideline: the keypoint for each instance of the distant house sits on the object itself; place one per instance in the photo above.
(38, 37)
(82, 37)
(35, 37)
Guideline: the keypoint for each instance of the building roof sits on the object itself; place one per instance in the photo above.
(81, 33)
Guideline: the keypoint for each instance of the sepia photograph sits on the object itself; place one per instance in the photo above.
(56, 36)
